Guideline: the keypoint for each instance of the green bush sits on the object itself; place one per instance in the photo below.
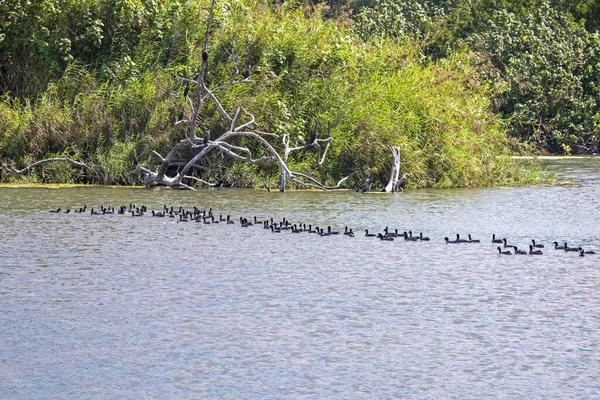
(543, 60)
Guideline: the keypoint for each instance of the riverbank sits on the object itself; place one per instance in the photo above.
(310, 76)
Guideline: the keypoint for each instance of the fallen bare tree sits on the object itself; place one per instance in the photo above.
(237, 139)
(241, 123)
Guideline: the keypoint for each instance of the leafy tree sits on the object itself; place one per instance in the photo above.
(39, 38)
(405, 19)
(545, 64)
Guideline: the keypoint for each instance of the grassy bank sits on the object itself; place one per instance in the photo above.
(308, 72)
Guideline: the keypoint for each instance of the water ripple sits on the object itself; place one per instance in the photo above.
(113, 306)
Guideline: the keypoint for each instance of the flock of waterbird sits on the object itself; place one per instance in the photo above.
(208, 217)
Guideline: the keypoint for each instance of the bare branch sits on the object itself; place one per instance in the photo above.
(212, 7)
(339, 184)
(25, 170)
(234, 119)
(268, 134)
(151, 179)
(194, 159)
(234, 148)
(161, 158)
(315, 183)
(186, 80)
(160, 175)
(200, 180)
(392, 184)
(238, 127)
(223, 86)
(322, 159)
(217, 103)
(251, 122)
(234, 155)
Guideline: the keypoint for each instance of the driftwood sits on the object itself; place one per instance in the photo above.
(192, 152)
(395, 169)
(241, 124)
(394, 184)
(28, 168)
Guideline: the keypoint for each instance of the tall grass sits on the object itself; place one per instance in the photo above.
(313, 72)
(308, 73)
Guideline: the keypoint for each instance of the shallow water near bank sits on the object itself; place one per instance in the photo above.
(120, 307)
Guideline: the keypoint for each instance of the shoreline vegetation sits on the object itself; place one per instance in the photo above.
(555, 157)
(99, 82)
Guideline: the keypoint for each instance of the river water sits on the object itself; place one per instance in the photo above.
(98, 307)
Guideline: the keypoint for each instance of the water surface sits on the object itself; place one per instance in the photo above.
(120, 307)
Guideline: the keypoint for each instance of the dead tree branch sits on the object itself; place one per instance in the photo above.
(202, 181)
(394, 183)
(28, 168)
(314, 142)
(241, 123)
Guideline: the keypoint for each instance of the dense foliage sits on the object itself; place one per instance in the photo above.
(542, 56)
(96, 80)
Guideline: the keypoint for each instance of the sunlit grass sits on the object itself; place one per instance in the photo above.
(308, 73)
